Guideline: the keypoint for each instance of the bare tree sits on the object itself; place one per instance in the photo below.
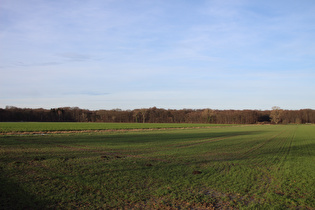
(143, 113)
(276, 114)
(207, 115)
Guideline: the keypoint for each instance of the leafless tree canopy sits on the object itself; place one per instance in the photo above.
(156, 115)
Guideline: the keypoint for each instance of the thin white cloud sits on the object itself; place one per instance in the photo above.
(195, 54)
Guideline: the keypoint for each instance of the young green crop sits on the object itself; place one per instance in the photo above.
(247, 167)
(6, 127)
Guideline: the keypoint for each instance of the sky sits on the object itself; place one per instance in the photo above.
(128, 54)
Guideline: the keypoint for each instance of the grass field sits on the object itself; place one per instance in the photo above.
(7, 127)
(245, 167)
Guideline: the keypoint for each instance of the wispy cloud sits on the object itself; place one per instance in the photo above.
(74, 56)
(181, 54)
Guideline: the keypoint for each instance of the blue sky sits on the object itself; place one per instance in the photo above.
(107, 54)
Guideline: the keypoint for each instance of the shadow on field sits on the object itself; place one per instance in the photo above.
(86, 145)
(144, 137)
(12, 196)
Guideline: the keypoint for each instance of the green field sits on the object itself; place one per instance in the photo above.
(221, 167)
(6, 127)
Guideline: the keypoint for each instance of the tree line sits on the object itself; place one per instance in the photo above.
(158, 115)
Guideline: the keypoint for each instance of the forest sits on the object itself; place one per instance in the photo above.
(158, 115)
